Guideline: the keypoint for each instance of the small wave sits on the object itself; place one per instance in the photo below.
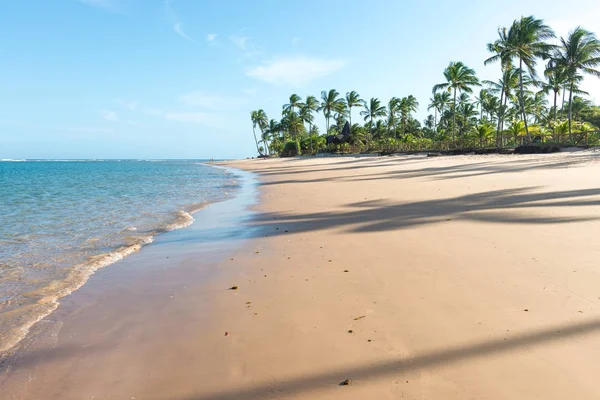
(11, 160)
(49, 296)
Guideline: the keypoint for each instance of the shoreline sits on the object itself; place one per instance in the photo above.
(459, 277)
(100, 262)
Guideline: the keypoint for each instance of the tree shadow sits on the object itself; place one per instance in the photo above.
(515, 206)
(393, 367)
(465, 170)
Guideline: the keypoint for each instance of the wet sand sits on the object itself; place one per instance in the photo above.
(451, 277)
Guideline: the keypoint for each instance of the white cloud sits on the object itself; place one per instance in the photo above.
(109, 115)
(197, 117)
(211, 37)
(240, 41)
(295, 71)
(87, 129)
(130, 105)
(110, 5)
(211, 101)
(179, 30)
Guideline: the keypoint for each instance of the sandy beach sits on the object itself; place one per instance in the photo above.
(467, 277)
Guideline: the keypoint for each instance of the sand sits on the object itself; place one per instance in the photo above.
(471, 277)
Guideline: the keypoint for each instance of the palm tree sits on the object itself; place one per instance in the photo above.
(526, 41)
(557, 78)
(459, 77)
(500, 49)
(295, 103)
(392, 110)
(579, 53)
(407, 105)
(311, 104)
(481, 100)
(352, 100)
(373, 110)
(259, 118)
(329, 103)
(483, 132)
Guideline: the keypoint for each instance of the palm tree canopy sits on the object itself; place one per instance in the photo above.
(373, 109)
(580, 51)
(527, 41)
(458, 77)
(353, 99)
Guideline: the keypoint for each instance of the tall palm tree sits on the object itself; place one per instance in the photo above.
(500, 51)
(373, 109)
(438, 103)
(461, 78)
(294, 104)
(330, 101)
(259, 118)
(352, 100)
(481, 100)
(557, 78)
(392, 111)
(579, 54)
(527, 42)
(407, 105)
(311, 104)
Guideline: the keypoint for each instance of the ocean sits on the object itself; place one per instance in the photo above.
(61, 220)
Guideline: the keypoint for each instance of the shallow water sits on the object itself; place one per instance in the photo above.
(60, 221)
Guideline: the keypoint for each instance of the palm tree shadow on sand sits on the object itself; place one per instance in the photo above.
(393, 367)
(513, 206)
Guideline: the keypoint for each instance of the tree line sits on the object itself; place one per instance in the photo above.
(507, 112)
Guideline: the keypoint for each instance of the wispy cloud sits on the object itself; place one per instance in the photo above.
(109, 5)
(86, 129)
(211, 101)
(198, 117)
(245, 44)
(241, 42)
(178, 27)
(211, 37)
(295, 71)
(130, 105)
(109, 115)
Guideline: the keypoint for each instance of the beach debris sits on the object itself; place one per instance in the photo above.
(369, 340)
(257, 252)
(350, 331)
(286, 230)
(449, 219)
(226, 333)
(526, 309)
(233, 287)
(329, 260)
(346, 270)
(346, 382)
(361, 317)
(248, 302)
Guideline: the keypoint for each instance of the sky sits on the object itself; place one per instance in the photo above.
(179, 78)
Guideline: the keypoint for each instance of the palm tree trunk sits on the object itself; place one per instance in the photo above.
(454, 119)
(571, 106)
(435, 119)
(521, 99)
(562, 110)
(256, 141)
(310, 136)
(555, 94)
(350, 116)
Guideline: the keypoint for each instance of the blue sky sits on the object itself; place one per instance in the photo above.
(178, 79)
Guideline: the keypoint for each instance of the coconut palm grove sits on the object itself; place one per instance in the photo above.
(538, 98)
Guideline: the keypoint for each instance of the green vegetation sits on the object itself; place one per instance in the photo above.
(504, 113)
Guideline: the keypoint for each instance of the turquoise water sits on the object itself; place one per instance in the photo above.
(62, 220)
